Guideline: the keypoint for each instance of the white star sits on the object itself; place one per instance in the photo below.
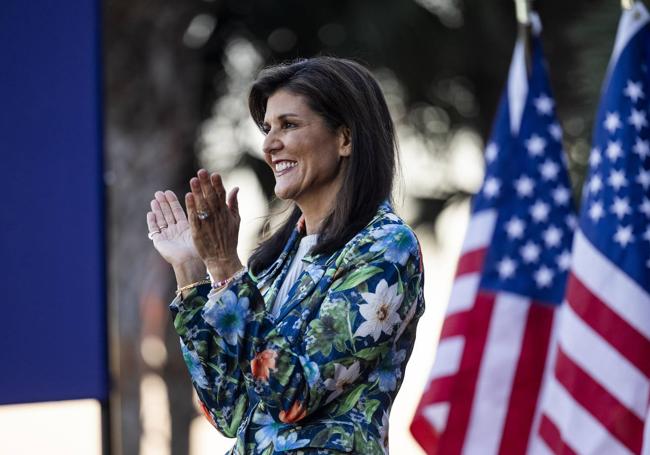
(646, 234)
(544, 104)
(571, 221)
(617, 179)
(633, 90)
(491, 187)
(595, 184)
(539, 211)
(621, 207)
(638, 119)
(555, 131)
(530, 252)
(543, 277)
(552, 236)
(535, 145)
(623, 235)
(515, 228)
(564, 260)
(645, 207)
(643, 178)
(491, 152)
(596, 211)
(614, 150)
(641, 148)
(561, 195)
(549, 170)
(524, 186)
(506, 268)
(595, 157)
(612, 122)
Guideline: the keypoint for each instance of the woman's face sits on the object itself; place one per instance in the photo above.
(302, 151)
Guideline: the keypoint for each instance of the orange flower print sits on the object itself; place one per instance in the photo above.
(294, 414)
(263, 363)
(206, 413)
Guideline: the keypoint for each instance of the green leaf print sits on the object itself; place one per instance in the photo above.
(357, 277)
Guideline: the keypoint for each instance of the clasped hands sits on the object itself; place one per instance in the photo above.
(205, 238)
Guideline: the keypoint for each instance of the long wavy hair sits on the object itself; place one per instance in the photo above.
(344, 94)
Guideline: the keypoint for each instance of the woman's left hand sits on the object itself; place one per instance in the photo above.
(214, 222)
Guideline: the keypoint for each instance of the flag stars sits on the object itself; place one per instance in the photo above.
(561, 195)
(552, 236)
(595, 184)
(645, 207)
(492, 187)
(614, 150)
(535, 145)
(549, 170)
(617, 179)
(623, 235)
(564, 261)
(596, 211)
(543, 277)
(539, 211)
(595, 157)
(643, 178)
(555, 131)
(515, 228)
(544, 104)
(638, 119)
(612, 122)
(491, 152)
(524, 186)
(641, 148)
(506, 268)
(633, 90)
(530, 252)
(571, 221)
(646, 234)
(621, 207)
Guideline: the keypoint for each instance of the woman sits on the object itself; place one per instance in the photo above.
(304, 350)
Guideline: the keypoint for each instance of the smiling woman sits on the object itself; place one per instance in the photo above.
(304, 350)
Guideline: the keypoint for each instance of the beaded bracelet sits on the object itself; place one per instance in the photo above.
(227, 281)
(190, 286)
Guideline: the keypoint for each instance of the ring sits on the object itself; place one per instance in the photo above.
(202, 215)
(151, 234)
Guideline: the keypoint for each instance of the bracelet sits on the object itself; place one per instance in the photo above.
(227, 281)
(190, 286)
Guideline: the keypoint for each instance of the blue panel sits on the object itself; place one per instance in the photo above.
(53, 311)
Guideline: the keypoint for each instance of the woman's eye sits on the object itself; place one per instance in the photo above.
(265, 129)
(288, 125)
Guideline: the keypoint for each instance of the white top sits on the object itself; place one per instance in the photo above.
(296, 268)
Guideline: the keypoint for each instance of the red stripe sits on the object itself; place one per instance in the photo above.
(456, 324)
(424, 433)
(614, 416)
(631, 343)
(528, 380)
(462, 395)
(552, 437)
(471, 262)
(439, 390)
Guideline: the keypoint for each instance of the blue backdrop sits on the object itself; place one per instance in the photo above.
(52, 315)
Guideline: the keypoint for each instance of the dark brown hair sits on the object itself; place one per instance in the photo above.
(345, 94)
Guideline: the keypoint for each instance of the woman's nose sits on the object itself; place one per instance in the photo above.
(271, 143)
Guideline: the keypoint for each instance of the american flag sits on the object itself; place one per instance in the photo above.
(596, 400)
(484, 386)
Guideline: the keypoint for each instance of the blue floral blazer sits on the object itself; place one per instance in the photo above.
(322, 376)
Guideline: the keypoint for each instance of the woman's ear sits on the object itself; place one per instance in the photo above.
(345, 145)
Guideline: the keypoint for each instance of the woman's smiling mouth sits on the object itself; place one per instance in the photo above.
(282, 167)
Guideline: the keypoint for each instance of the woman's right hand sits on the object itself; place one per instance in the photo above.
(170, 231)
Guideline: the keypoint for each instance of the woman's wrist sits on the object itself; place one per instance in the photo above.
(189, 272)
(221, 270)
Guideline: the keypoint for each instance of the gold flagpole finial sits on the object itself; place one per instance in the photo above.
(627, 4)
(523, 8)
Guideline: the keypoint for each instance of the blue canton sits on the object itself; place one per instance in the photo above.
(527, 183)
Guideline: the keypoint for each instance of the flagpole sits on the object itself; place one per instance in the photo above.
(523, 11)
(627, 4)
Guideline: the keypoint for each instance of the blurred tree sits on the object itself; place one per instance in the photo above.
(166, 69)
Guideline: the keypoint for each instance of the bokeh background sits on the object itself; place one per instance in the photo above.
(175, 82)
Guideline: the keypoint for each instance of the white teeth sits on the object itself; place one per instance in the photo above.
(282, 165)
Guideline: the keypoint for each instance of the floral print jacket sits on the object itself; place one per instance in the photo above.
(322, 376)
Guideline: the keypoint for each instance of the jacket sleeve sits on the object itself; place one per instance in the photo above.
(320, 352)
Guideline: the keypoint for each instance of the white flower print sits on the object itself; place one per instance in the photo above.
(342, 377)
(380, 313)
